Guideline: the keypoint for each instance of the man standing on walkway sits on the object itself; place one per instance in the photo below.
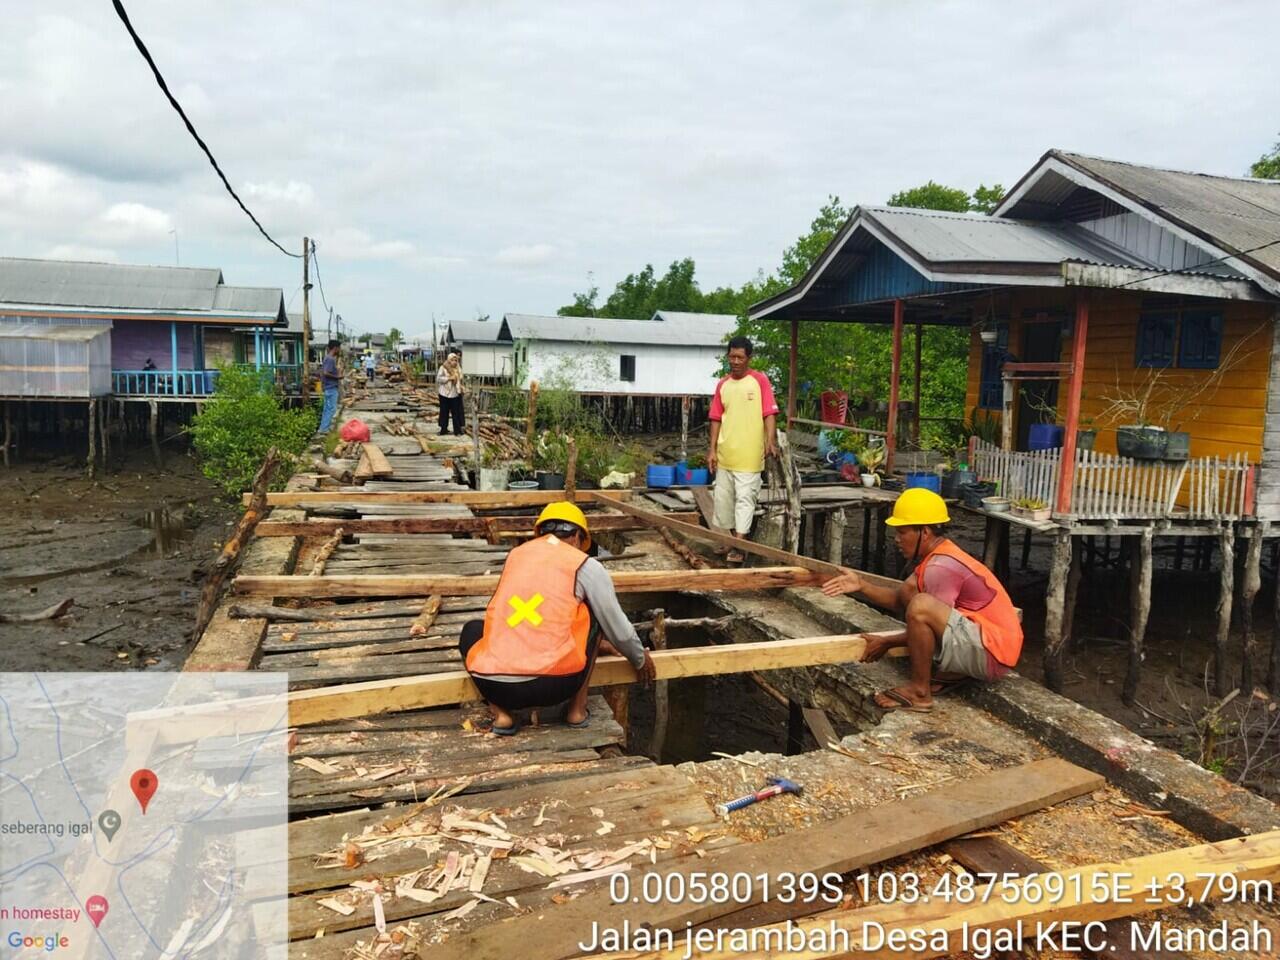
(961, 624)
(743, 431)
(449, 387)
(331, 380)
(370, 366)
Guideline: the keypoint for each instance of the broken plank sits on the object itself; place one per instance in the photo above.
(860, 839)
(414, 693)
(378, 464)
(625, 581)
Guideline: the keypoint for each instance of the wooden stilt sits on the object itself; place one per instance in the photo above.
(991, 543)
(104, 433)
(533, 413)
(1177, 554)
(1053, 615)
(880, 540)
(684, 428)
(1139, 611)
(1226, 589)
(154, 431)
(866, 538)
(93, 438)
(619, 700)
(661, 698)
(837, 520)
(8, 431)
(1073, 591)
(570, 469)
(1252, 583)
(1026, 548)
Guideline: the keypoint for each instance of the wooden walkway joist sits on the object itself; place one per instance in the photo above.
(418, 525)
(499, 500)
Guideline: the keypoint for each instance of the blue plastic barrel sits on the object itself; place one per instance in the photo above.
(929, 481)
(1044, 436)
(659, 475)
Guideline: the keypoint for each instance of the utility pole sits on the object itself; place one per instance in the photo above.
(306, 319)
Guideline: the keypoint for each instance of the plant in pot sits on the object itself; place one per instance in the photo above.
(1031, 508)
(551, 459)
(494, 468)
(697, 474)
(872, 456)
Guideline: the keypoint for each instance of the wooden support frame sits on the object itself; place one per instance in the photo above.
(485, 500)
(441, 689)
(321, 527)
(452, 585)
(895, 386)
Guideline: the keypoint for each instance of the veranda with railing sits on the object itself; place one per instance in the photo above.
(196, 383)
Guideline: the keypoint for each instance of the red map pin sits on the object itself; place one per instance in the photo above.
(96, 907)
(144, 783)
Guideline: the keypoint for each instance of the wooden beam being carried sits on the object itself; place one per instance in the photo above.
(687, 528)
(441, 689)
(452, 585)
(323, 527)
(487, 500)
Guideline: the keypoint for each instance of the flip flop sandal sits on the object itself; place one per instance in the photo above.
(735, 556)
(901, 702)
(939, 687)
(581, 724)
(510, 731)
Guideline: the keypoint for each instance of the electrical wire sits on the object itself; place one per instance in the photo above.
(319, 282)
(146, 55)
(1198, 266)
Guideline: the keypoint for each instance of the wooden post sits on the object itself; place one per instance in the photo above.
(836, 521)
(8, 430)
(1139, 611)
(104, 433)
(661, 697)
(684, 428)
(880, 539)
(1226, 589)
(571, 469)
(533, 414)
(1006, 417)
(93, 437)
(1075, 387)
(306, 320)
(1055, 599)
(895, 378)
(1248, 592)
(155, 428)
(1073, 590)
(792, 386)
(919, 335)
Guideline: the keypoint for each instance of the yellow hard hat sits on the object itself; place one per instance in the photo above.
(566, 511)
(916, 507)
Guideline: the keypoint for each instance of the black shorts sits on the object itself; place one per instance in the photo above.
(537, 691)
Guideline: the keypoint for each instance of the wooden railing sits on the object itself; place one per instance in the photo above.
(195, 383)
(1111, 487)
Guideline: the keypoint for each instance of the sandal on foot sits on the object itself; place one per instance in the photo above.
(510, 731)
(901, 702)
(581, 724)
(735, 556)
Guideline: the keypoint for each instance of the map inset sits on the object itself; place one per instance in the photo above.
(143, 815)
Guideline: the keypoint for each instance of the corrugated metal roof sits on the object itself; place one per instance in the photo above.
(51, 331)
(475, 331)
(74, 284)
(692, 329)
(266, 302)
(940, 237)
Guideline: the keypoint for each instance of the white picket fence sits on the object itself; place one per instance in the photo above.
(1111, 487)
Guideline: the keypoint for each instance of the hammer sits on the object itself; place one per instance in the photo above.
(776, 786)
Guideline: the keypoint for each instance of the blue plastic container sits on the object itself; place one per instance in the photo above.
(929, 481)
(697, 477)
(1044, 436)
(659, 475)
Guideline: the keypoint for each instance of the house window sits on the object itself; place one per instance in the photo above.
(991, 388)
(1200, 343)
(1156, 332)
(628, 371)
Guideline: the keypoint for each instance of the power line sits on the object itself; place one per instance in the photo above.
(1198, 266)
(146, 55)
(316, 262)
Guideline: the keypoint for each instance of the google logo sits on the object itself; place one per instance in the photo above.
(47, 944)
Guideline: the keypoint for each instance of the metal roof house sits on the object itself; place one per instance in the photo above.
(160, 321)
(486, 348)
(1129, 295)
(670, 355)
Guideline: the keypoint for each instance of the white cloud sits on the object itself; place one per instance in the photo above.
(77, 251)
(527, 257)
(293, 192)
(352, 243)
(135, 221)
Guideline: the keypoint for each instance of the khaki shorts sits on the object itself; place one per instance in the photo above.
(736, 494)
(961, 651)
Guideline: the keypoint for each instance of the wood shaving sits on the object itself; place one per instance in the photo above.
(337, 906)
(318, 766)
(604, 829)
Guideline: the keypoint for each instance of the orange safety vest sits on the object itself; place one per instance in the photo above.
(1001, 630)
(534, 625)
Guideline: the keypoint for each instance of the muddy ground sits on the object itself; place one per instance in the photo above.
(130, 549)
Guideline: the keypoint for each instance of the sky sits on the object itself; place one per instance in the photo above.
(460, 158)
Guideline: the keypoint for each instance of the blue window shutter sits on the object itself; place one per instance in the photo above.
(991, 388)
(1200, 345)
(1155, 340)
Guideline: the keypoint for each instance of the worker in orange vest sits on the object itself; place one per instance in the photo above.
(541, 631)
(961, 623)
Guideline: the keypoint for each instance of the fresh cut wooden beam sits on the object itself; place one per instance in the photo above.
(447, 585)
(440, 689)
(842, 845)
(491, 500)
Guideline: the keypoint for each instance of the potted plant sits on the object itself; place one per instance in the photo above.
(872, 456)
(1031, 508)
(697, 474)
(494, 469)
(550, 460)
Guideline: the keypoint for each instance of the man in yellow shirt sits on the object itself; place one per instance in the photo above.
(743, 430)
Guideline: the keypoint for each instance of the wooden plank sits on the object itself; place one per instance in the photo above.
(725, 539)
(820, 726)
(706, 506)
(624, 581)
(378, 463)
(1094, 893)
(848, 843)
(416, 525)
(490, 500)
(415, 693)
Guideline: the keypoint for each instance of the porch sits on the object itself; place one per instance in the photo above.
(188, 384)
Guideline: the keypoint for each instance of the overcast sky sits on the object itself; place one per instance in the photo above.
(450, 157)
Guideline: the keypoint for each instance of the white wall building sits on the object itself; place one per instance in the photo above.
(673, 354)
(486, 348)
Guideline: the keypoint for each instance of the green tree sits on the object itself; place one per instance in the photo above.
(394, 336)
(584, 304)
(1267, 166)
(932, 196)
(986, 199)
